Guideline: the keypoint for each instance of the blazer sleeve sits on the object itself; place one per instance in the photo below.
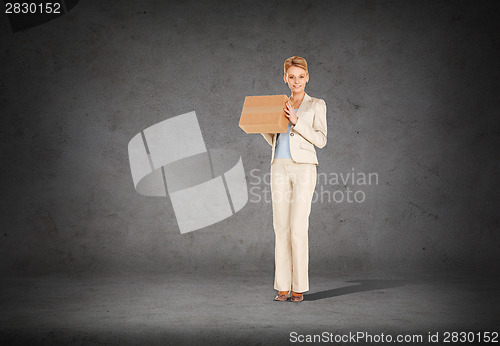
(268, 137)
(317, 133)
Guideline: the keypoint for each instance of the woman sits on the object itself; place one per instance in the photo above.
(293, 180)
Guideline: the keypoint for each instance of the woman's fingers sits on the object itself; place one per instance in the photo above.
(289, 111)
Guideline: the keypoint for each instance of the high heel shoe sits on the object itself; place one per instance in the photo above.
(282, 297)
(297, 297)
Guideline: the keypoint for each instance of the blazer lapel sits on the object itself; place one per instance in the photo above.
(305, 104)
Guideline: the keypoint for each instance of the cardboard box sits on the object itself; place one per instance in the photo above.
(264, 114)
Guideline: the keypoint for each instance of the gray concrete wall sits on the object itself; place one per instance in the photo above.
(412, 95)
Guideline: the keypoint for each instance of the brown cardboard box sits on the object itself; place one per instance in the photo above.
(264, 114)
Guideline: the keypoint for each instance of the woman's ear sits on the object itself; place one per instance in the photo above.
(284, 78)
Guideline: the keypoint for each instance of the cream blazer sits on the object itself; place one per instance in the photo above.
(309, 131)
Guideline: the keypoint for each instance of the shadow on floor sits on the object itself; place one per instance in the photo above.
(364, 285)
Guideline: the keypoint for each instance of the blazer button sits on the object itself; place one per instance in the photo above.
(291, 134)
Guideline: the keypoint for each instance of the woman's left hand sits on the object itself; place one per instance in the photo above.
(290, 113)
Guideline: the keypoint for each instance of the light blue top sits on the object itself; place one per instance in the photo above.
(282, 150)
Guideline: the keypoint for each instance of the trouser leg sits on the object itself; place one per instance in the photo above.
(303, 180)
(281, 190)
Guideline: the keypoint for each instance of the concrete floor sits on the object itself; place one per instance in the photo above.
(238, 308)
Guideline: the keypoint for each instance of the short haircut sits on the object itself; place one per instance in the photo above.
(295, 61)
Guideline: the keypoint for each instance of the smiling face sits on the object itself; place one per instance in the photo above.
(296, 78)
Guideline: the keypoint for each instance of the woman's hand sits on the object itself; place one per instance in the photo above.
(290, 113)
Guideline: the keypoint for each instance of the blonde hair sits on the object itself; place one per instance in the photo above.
(295, 61)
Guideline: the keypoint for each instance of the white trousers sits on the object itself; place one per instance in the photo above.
(292, 189)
